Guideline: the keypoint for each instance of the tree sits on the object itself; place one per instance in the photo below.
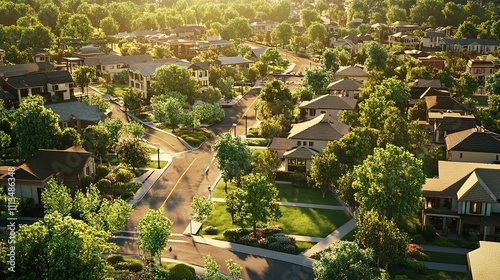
(395, 90)
(308, 16)
(57, 198)
(265, 163)
(114, 128)
(211, 269)
(376, 56)
(133, 151)
(154, 233)
(317, 79)
(167, 110)
(35, 127)
(226, 88)
(317, 32)
(176, 78)
(396, 13)
(283, 33)
(201, 207)
(78, 26)
(161, 51)
(62, 248)
(97, 140)
(344, 260)
(390, 183)
(256, 201)
(330, 60)
(106, 80)
(209, 113)
(358, 9)
(492, 84)
(466, 30)
(381, 234)
(212, 95)
(424, 9)
(272, 57)
(83, 75)
(236, 28)
(133, 129)
(5, 141)
(69, 137)
(494, 105)
(132, 99)
(465, 86)
(454, 14)
(274, 127)
(277, 99)
(233, 157)
(96, 100)
(109, 26)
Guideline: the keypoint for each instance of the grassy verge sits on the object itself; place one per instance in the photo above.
(349, 236)
(114, 160)
(193, 137)
(447, 258)
(481, 100)
(145, 117)
(257, 142)
(154, 164)
(294, 220)
(303, 246)
(115, 90)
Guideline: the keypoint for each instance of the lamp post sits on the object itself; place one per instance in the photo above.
(209, 193)
(234, 128)
(158, 150)
(246, 125)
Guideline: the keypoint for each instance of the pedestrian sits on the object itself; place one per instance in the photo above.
(170, 249)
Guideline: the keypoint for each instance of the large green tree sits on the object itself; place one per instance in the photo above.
(277, 99)
(376, 56)
(133, 151)
(283, 33)
(78, 26)
(35, 127)
(176, 78)
(317, 79)
(308, 16)
(256, 201)
(83, 75)
(201, 207)
(233, 157)
(132, 99)
(154, 233)
(465, 86)
(265, 163)
(168, 109)
(97, 140)
(492, 84)
(390, 183)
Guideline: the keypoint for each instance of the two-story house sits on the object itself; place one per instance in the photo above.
(408, 41)
(76, 114)
(432, 39)
(356, 72)
(330, 105)
(473, 145)
(261, 27)
(451, 123)
(189, 32)
(483, 46)
(113, 64)
(438, 104)
(464, 196)
(52, 85)
(480, 68)
(67, 166)
(237, 62)
(345, 87)
(309, 138)
(433, 61)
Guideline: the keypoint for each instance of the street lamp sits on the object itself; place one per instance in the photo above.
(158, 149)
(209, 193)
(234, 128)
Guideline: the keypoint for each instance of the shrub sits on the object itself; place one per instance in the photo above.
(429, 232)
(288, 248)
(103, 184)
(271, 230)
(121, 77)
(243, 231)
(283, 176)
(123, 175)
(444, 242)
(263, 243)
(418, 239)
(182, 272)
(231, 234)
(102, 171)
(416, 266)
(416, 252)
(114, 259)
(474, 235)
(86, 181)
(259, 235)
(211, 230)
(245, 240)
(130, 265)
(299, 179)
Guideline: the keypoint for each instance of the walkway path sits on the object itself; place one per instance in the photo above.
(446, 267)
(449, 250)
(332, 237)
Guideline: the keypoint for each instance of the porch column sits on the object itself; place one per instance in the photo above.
(485, 230)
(460, 226)
(444, 222)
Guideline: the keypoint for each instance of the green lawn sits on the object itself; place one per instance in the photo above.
(193, 137)
(481, 100)
(294, 220)
(287, 193)
(145, 117)
(303, 246)
(115, 90)
(349, 236)
(431, 274)
(113, 160)
(447, 258)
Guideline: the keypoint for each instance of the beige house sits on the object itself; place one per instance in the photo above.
(473, 145)
(356, 72)
(309, 138)
(261, 27)
(330, 105)
(483, 262)
(345, 87)
(67, 166)
(114, 64)
(480, 68)
(408, 41)
(237, 62)
(464, 197)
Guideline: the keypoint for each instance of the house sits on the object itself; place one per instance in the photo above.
(40, 55)
(483, 46)
(67, 166)
(237, 62)
(404, 40)
(141, 74)
(113, 64)
(403, 26)
(52, 85)
(420, 88)
(463, 197)
(189, 32)
(8, 99)
(182, 48)
(433, 39)
(450, 123)
(125, 35)
(309, 138)
(280, 146)
(261, 27)
(88, 51)
(473, 145)
(341, 42)
(330, 105)
(345, 87)
(433, 61)
(356, 72)
(212, 42)
(480, 68)
(483, 262)
(257, 52)
(76, 114)
(18, 69)
(331, 27)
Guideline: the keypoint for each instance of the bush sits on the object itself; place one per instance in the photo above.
(114, 259)
(121, 77)
(284, 176)
(263, 243)
(182, 272)
(299, 179)
(245, 240)
(418, 239)
(474, 235)
(102, 171)
(211, 230)
(416, 252)
(130, 265)
(124, 175)
(271, 230)
(416, 266)
(429, 232)
(231, 234)
(444, 242)
(401, 277)
(86, 181)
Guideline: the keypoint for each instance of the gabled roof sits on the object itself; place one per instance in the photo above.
(148, 69)
(475, 189)
(320, 128)
(117, 59)
(280, 144)
(199, 65)
(440, 102)
(457, 123)
(453, 175)
(39, 79)
(257, 52)
(471, 41)
(333, 102)
(351, 71)
(345, 84)
(77, 109)
(228, 60)
(434, 92)
(18, 69)
(483, 262)
(301, 152)
(474, 141)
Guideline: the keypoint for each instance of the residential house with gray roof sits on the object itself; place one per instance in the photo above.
(76, 114)
(483, 46)
(113, 63)
(473, 145)
(464, 197)
(356, 72)
(237, 62)
(345, 87)
(330, 105)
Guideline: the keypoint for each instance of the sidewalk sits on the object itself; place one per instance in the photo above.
(448, 250)
(446, 267)
(332, 237)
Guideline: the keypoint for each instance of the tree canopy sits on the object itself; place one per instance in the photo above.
(176, 78)
(154, 233)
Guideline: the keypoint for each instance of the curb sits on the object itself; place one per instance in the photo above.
(142, 191)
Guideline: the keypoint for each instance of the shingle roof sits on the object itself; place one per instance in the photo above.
(469, 41)
(39, 79)
(319, 128)
(484, 261)
(228, 60)
(149, 68)
(18, 69)
(351, 71)
(117, 59)
(474, 141)
(434, 92)
(200, 65)
(345, 84)
(424, 83)
(475, 189)
(330, 102)
(257, 52)
(455, 124)
(280, 144)
(445, 103)
(301, 152)
(76, 109)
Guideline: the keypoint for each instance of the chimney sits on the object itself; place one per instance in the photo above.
(483, 57)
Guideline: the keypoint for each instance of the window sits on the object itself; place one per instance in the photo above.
(298, 143)
(497, 157)
(461, 155)
(476, 207)
(55, 87)
(304, 143)
(311, 143)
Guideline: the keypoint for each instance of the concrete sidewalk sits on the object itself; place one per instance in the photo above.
(332, 237)
(448, 250)
(446, 267)
(295, 204)
(295, 259)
